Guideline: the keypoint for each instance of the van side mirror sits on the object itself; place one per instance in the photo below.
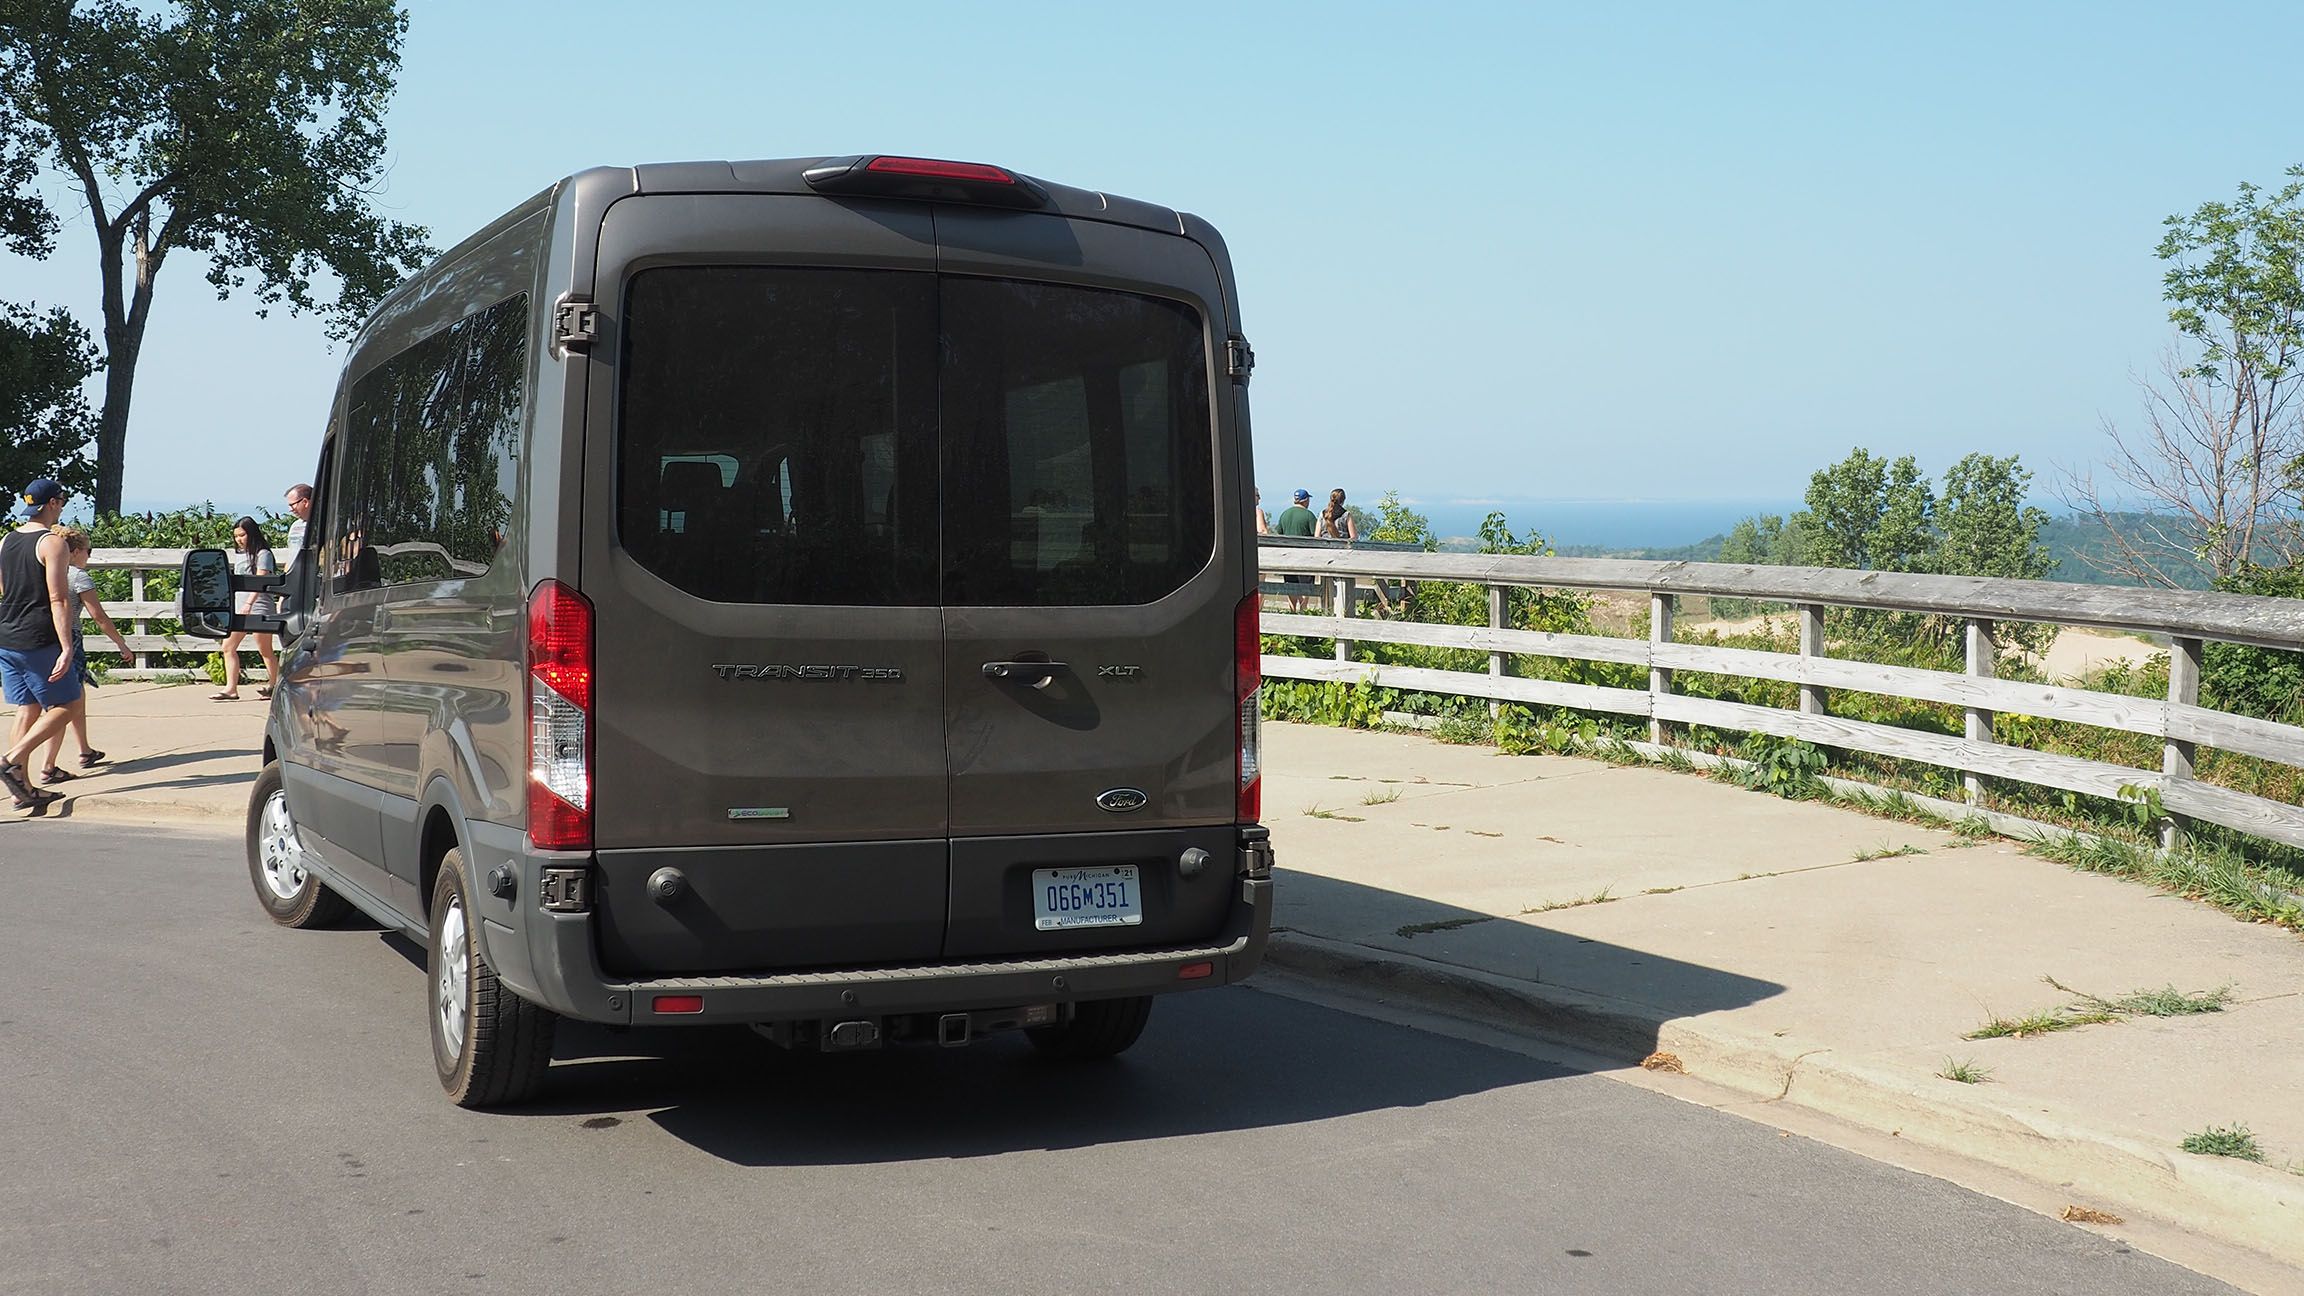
(205, 598)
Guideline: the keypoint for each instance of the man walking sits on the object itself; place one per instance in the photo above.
(38, 673)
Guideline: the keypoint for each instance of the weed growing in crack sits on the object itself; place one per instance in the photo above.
(2235, 1142)
(1965, 1072)
(1887, 852)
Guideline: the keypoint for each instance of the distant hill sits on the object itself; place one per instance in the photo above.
(2071, 540)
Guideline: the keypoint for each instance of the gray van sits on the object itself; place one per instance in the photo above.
(816, 594)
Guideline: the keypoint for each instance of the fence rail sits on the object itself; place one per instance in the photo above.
(2189, 618)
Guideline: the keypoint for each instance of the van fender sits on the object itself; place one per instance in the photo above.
(443, 808)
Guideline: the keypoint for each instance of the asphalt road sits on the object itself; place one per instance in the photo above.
(192, 1100)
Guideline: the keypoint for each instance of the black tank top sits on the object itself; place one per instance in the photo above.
(26, 624)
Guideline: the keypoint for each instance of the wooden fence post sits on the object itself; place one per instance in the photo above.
(1812, 645)
(1978, 725)
(1659, 677)
(1496, 600)
(1344, 589)
(138, 625)
(2183, 690)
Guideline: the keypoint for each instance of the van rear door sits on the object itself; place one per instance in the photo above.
(1090, 585)
(760, 545)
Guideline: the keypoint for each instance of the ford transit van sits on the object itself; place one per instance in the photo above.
(814, 594)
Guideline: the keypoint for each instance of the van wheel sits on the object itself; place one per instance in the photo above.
(1100, 1028)
(489, 1045)
(286, 889)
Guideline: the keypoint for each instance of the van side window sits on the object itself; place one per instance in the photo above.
(777, 442)
(1078, 454)
(436, 432)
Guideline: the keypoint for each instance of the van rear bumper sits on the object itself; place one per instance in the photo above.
(563, 974)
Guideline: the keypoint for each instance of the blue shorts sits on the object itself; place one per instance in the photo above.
(24, 678)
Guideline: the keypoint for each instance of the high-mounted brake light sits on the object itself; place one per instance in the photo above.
(942, 170)
(1248, 679)
(559, 718)
(881, 175)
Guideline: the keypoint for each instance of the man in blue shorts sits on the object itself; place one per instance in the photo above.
(38, 674)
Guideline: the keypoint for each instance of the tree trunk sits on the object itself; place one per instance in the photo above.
(123, 341)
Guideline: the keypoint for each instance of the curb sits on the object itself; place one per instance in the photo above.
(117, 809)
(2249, 1206)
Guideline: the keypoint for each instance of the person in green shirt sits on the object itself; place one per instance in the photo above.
(1296, 520)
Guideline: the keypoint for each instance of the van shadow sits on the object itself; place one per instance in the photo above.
(1210, 1062)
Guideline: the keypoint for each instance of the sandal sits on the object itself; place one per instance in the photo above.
(54, 774)
(91, 759)
(223, 697)
(26, 796)
(264, 692)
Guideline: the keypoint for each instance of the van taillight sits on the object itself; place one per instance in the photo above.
(1248, 677)
(559, 718)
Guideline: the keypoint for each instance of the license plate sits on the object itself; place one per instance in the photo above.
(1065, 898)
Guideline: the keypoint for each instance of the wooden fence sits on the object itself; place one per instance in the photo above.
(2189, 619)
(134, 614)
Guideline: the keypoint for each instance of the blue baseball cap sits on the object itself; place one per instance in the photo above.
(42, 490)
(1302, 495)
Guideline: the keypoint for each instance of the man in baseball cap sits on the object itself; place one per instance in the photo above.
(38, 672)
(1295, 520)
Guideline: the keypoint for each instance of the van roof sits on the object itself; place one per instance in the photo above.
(784, 176)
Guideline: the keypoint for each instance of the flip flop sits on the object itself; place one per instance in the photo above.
(264, 692)
(223, 697)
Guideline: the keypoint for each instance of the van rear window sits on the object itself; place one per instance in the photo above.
(800, 436)
(1077, 446)
(779, 434)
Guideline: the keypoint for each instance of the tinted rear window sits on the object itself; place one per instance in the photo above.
(1077, 448)
(784, 431)
(779, 434)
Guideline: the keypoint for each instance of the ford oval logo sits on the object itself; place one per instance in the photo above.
(1123, 800)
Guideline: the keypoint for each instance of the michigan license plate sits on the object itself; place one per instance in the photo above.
(1065, 898)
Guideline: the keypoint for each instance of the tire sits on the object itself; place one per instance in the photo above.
(490, 1047)
(1100, 1028)
(289, 892)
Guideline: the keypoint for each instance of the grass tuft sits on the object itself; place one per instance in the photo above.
(2039, 1023)
(1383, 796)
(1315, 811)
(1600, 896)
(1887, 852)
(2217, 875)
(1965, 1072)
(2235, 1142)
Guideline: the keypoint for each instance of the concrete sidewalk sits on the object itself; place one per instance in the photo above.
(173, 754)
(1791, 952)
(1802, 954)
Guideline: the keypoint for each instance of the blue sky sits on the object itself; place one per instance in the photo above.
(1516, 251)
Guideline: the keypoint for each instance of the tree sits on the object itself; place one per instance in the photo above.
(246, 130)
(2218, 459)
(43, 361)
(1868, 513)
(1986, 527)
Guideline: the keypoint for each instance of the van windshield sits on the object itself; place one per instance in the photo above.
(865, 437)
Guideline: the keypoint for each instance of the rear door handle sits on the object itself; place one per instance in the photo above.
(1037, 674)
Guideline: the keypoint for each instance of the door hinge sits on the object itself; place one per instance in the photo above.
(575, 323)
(1239, 358)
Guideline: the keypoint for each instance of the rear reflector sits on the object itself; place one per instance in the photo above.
(924, 179)
(679, 1003)
(559, 718)
(1195, 971)
(1248, 678)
